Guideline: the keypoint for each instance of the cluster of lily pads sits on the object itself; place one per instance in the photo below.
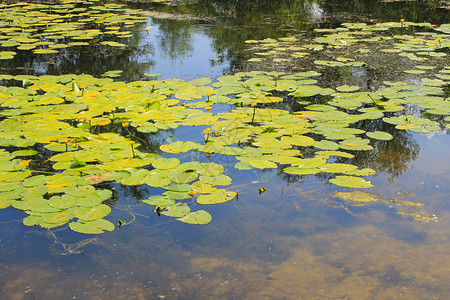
(89, 128)
(46, 28)
(418, 46)
(67, 139)
(422, 42)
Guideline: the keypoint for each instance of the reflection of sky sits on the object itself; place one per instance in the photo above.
(195, 62)
(316, 11)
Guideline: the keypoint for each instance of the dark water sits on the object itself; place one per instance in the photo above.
(294, 241)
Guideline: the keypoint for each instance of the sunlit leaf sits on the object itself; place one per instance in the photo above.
(379, 135)
(217, 196)
(351, 182)
(92, 213)
(93, 227)
(198, 217)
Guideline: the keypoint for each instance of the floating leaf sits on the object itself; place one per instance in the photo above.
(198, 217)
(159, 200)
(202, 188)
(262, 164)
(184, 177)
(164, 163)
(33, 220)
(45, 51)
(216, 180)
(93, 227)
(176, 211)
(379, 135)
(217, 196)
(152, 74)
(92, 213)
(35, 181)
(351, 182)
(326, 145)
(310, 163)
(178, 147)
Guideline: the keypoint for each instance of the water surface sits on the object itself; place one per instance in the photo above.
(295, 240)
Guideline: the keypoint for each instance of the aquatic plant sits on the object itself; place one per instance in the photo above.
(89, 127)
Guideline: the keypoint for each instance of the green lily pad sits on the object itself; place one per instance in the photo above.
(351, 182)
(35, 181)
(310, 163)
(28, 152)
(294, 170)
(199, 217)
(63, 202)
(355, 144)
(184, 177)
(92, 213)
(216, 180)
(156, 180)
(211, 169)
(178, 147)
(58, 217)
(326, 145)
(5, 203)
(152, 74)
(379, 135)
(33, 220)
(202, 188)
(165, 164)
(93, 227)
(217, 196)
(176, 211)
(262, 164)
(347, 88)
(159, 200)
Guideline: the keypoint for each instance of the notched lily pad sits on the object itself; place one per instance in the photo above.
(217, 196)
(199, 217)
(93, 227)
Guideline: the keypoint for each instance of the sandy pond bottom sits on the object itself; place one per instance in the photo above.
(293, 246)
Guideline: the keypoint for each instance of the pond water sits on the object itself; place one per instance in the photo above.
(287, 233)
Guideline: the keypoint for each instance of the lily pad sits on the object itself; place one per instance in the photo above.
(93, 227)
(176, 211)
(217, 196)
(379, 135)
(199, 217)
(92, 213)
(351, 182)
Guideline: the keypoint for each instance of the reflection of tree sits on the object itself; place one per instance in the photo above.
(234, 22)
(255, 20)
(94, 59)
(175, 37)
(331, 11)
(240, 20)
(389, 10)
(391, 157)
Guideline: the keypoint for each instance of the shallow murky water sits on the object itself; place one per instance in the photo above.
(296, 240)
(284, 244)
